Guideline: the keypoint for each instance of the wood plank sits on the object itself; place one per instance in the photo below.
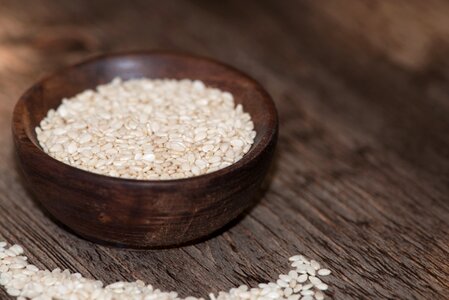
(361, 178)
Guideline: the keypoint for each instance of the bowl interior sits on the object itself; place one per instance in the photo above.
(68, 82)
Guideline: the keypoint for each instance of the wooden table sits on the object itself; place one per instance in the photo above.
(361, 177)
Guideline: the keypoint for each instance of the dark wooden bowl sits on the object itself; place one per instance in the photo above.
(143, 213)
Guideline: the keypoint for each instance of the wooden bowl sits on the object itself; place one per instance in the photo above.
(143, 213)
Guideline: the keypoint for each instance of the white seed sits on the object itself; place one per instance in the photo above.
(314, 264)
(282, 283)
(297, 288)
(200, 136)
(177, 146)
(10, 253)
(200, 163)
(322, 286)
(307, 286)
(207, 148)
(198, 85)
(292, 283)
(301, 268)
(314, 280)
(56, 148)
(293, 274)
(16, 249)
(16, 266)
(324, 272)
(311, 270)
(307, 292)
(32, 268)
(302, 278)
(84, 138)
(288, 291)
(237, 143)
(319, 295)
(72, 148)
(13, 292)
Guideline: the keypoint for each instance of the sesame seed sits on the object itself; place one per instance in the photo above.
(302, 278)
(56, 148)
(319, 295)
(16, 249)
(324, 272)
(311, 270)
(149, 157)
(13, 292)
(314, 280)
(285, 278)
(123, 127)
(237, 143)
(84, 138)
(177, 146)
(322, 286)
(293, 274)
(281, 283)
(72, 147)
(307, 286)
(288, 291)
(307, 292)
(301, 268)
(297, 288)
(314, 264)
(25, 281)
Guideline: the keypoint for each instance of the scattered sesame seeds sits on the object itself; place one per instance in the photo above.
(25, 281)
(150, 129)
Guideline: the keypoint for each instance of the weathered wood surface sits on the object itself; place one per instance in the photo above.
(361, 179)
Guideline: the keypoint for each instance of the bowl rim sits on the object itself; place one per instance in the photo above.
(255, 151)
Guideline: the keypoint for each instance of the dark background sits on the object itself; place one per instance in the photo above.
(361, 179)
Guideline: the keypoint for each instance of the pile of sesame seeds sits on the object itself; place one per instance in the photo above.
(149, 129)
(25, 281)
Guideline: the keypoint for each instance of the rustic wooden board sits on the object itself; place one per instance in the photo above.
(361, 178)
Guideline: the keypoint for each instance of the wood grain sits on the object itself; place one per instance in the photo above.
(361, 177)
